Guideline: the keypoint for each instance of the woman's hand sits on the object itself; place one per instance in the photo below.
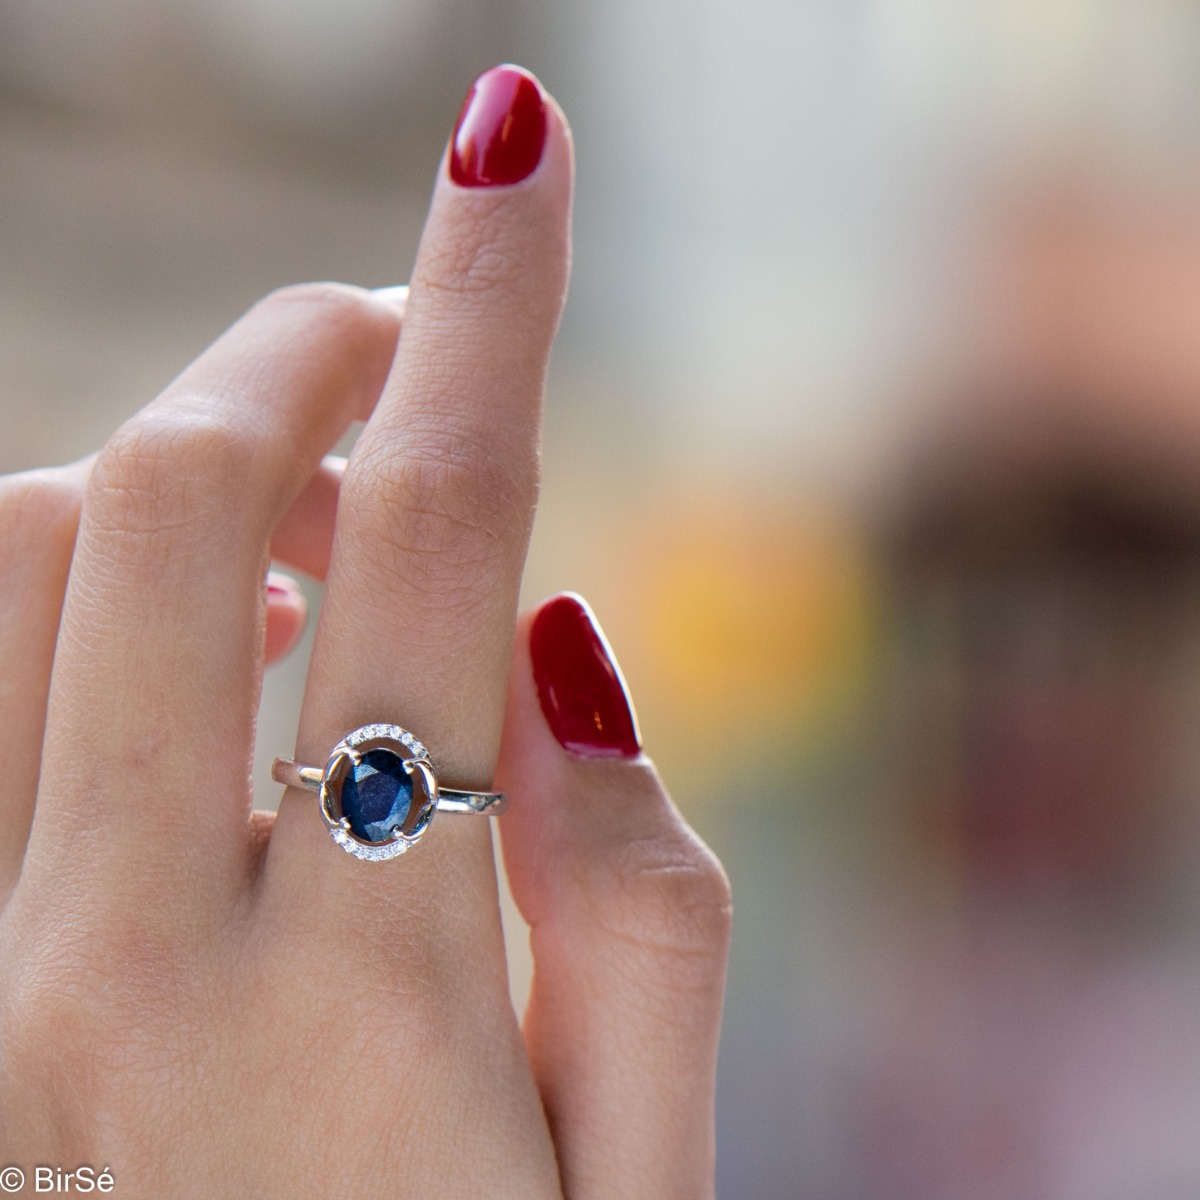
(210, 1003)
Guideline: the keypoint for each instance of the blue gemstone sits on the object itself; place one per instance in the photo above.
(376, 796)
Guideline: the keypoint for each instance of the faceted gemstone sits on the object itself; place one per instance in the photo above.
(376, 795)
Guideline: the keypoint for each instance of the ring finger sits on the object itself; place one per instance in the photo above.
(436, 506)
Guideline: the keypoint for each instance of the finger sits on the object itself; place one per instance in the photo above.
(287, 614)
(435, 511)
(629, 915)
(159, 655)
(39, 513)
(304, 536)
(418, 613)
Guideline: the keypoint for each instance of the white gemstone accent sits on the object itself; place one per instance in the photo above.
(392, 732)
(369, 732)
(368, 853)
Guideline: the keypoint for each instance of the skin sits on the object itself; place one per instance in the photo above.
(212, 1002)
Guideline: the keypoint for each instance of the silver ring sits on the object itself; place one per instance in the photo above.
(379, 791)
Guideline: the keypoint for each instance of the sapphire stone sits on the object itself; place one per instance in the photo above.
(376, 796)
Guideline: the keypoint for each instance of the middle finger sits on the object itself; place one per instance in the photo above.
(157, 664)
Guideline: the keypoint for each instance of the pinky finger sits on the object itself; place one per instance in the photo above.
(630, 919)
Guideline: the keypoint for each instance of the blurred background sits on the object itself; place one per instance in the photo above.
(873, 437)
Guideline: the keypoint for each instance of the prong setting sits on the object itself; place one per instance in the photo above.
(347, 756)
(393, 791)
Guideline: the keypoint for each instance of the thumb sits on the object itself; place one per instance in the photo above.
(630, 918)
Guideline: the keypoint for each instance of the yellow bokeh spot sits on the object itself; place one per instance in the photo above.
(754, 617)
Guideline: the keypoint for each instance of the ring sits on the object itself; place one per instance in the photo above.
(379, 791)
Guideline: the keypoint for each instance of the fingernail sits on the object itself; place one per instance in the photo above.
(501, 129)
(280, 586)
(579, 684)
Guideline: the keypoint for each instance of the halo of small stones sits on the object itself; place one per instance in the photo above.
(394, 733)
(367, 851)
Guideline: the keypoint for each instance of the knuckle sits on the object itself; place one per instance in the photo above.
(171, 478)
(342, 335)
(668, 894)
(336, 308)
(84, 1035)
(465, 265)
(443, 511)
(40, 1018)
(53, 1029)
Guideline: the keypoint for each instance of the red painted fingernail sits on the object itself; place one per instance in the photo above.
(579, 683)
(281, 587)
(501, 129)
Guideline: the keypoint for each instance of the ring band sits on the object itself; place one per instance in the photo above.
(379, 790)
(490, 804)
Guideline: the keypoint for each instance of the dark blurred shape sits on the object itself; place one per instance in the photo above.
(1031, 1030)
(1044, 599)
(985, 511)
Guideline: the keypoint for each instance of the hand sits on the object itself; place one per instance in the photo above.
(212, 1003)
